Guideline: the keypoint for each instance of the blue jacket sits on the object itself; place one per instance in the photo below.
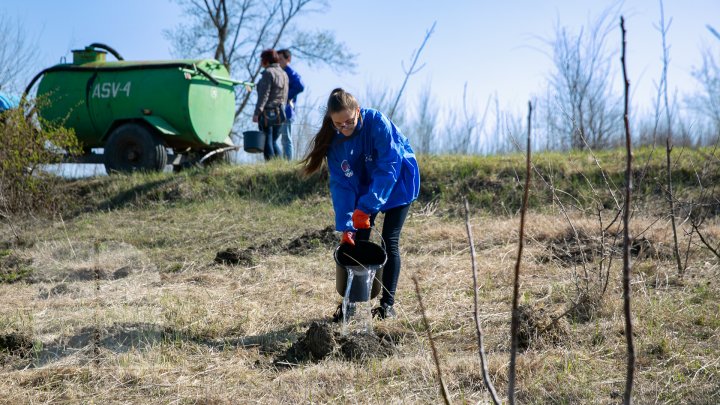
(373, 170)
(296, 87)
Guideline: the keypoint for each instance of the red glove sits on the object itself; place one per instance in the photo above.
(360, 220)
(348, 237)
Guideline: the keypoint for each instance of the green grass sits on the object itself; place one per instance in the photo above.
(492, 184)
(182, 328)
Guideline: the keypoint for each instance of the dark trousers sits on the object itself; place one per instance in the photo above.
(272, 149)
(392, 225)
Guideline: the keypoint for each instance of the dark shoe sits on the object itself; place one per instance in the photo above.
(384, 311)
(338, 315)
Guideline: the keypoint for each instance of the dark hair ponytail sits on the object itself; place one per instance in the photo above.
(339, 100)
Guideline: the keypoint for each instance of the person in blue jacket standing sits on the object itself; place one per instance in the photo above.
(296, 86)
(372, 169)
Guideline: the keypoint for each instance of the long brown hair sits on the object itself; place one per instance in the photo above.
(339, 100)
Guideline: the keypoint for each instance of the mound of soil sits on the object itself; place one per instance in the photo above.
(323, 238)
(268, 248)
(16, 344)
(643, 247)
(122, 272)
(569, 250)
(235, 256)
(587, 307)
(363, 346)
(538, 327)
(320, 342)
(312, 240)
(60, 289)
(79, 274)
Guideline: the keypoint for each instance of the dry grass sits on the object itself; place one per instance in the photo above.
(175, 327)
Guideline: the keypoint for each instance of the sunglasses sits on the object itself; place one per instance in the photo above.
(347, 124)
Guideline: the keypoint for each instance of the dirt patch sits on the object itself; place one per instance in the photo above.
(569, 249)
(79, 274)
(235, 256)
(16, 344)
(324, 238)
(13, 268)
(120, 337)
(302, 245)
(60, 289)
(586, 308)
(321, 341)
(364, 346)
(121, 273)
(642, 248)
(88, 274)
(247, 257)
(539, 327)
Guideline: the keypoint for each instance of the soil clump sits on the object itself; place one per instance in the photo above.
(321, 341)
(570, 249)
(302, 245)
(15, 344)
(539, 327)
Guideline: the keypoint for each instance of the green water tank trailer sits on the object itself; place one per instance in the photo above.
(144, 114)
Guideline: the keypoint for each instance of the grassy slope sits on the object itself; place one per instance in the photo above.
(181, 328)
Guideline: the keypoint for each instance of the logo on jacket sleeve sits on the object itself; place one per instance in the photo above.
(345, 166)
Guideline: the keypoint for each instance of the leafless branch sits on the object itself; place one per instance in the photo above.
(713, 31)
(705, 242)
(476, 313)
(514, 326)
(668, 139)
(443, 388)
(412, 70)
(626, 231)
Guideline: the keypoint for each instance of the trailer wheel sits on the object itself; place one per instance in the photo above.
(133, 147)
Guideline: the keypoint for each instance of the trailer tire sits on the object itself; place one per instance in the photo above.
(133, 147)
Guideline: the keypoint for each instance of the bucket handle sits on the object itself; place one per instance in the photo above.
(379, 237)
(382, 245)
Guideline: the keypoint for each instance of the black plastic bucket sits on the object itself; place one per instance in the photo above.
(253, 141)
(364, 256)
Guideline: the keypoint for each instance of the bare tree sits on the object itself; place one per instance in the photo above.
(582, 105)
(381, 97)
(476, 313)
(436, 358)
(423, 132)
(514, 324)
(707, 101)
(413, 70)
(235, 31)
(464, 127)
(663, 88)
(17, 55)
(630, 369)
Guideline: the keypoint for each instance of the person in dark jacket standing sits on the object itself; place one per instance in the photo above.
(272, 96)
(296, 86)
(372, 169)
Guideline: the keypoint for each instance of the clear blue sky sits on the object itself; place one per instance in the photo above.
(492, 46)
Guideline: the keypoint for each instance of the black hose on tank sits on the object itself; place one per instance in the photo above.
(107, 48)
